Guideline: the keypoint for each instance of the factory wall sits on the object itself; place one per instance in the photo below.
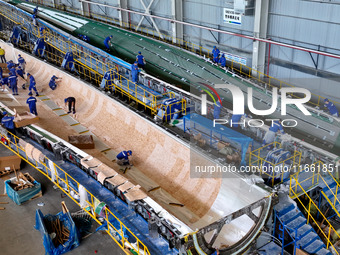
(311, 24)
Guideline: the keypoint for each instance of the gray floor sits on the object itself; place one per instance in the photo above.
(17, 233)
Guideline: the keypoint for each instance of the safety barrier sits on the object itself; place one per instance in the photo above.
(235, 66)
(67, 183)
(296, 189)
(274, 172)
(90, 68)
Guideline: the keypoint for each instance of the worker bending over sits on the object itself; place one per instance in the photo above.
(123, 158)
(8, 123)
(71, 101)
(21, 62)
(53, 82)
(32, 104)
(331, 108)
(107, 42)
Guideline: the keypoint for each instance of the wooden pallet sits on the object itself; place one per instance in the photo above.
(6, 172)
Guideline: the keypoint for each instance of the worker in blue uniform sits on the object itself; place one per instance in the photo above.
(32, 85)
(42, 31)
(235, 119)
(331, 108)
(32, 104)
(134, 72)
(71, 101)
(222, 61)
(53, 82)
(10, 64)
(20, 72)
(216, 53)
(13, 82)
(123, 158)
(217, 109)
(4, 82)
(269, 137)
(140, 60)
(8, 123)
(107, 42)
(21, 62)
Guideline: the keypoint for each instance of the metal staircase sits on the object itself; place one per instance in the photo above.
(294, 223)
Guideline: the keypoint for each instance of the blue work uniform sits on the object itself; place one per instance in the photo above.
(216, 53)
(53, 84)
(13, 71)
(20, 72)
(235, 120)
(7, 121)
(10, 64)
(32, 86)
(140, 60)
(32, 104)
(41, 30)
(123, 155)
(222, 61)
(1, 72)
(134, 72)
(4, 81)
(217, 110)
(106, 42)
(332, 109)
(13, 82)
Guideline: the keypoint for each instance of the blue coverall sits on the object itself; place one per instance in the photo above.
(13, 82)
(123, 158)
(216, 53)
(13, 71)
(10, 64)
(53, 84)
(332, 109)
(140, 60)
(20, 72)
(32, 86)
(217, 110)
(8, 123)
(32, 104)
(222, 61)
(106, 42)
(134, 72)
(235, 119)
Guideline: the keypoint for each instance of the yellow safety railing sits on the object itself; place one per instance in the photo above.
(322, 231)
(63, 182)
(270, 170)
(262, 78)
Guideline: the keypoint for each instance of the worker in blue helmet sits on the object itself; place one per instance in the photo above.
(331, 108)
(71, 101)
(32, 85)
(53, 82)
(107, 42)
(32, 104)
(216, 54)
(123, 158)
(217, 109)
(13, 82)
(21, 62)
(134, 72)
(8, 123)
(222, 62)
(269, 137)
(140, 60)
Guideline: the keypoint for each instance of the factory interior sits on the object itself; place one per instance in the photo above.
(180, 127)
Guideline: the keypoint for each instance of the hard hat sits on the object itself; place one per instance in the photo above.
(139, 52)
(65, 100)
(130, 152)
(4, 113)
(28, 74)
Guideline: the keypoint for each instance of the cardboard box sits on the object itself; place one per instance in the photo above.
(9, 161)
(25, 119)
(81, 141)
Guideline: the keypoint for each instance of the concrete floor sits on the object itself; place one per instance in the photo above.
(17, 233)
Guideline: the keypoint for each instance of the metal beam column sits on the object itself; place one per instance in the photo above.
(123, 16)
(177, 14)
(260, 31)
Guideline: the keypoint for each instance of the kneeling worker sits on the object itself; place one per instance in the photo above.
(123, 158)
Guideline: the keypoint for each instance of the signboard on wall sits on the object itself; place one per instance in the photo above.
(231, 17)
